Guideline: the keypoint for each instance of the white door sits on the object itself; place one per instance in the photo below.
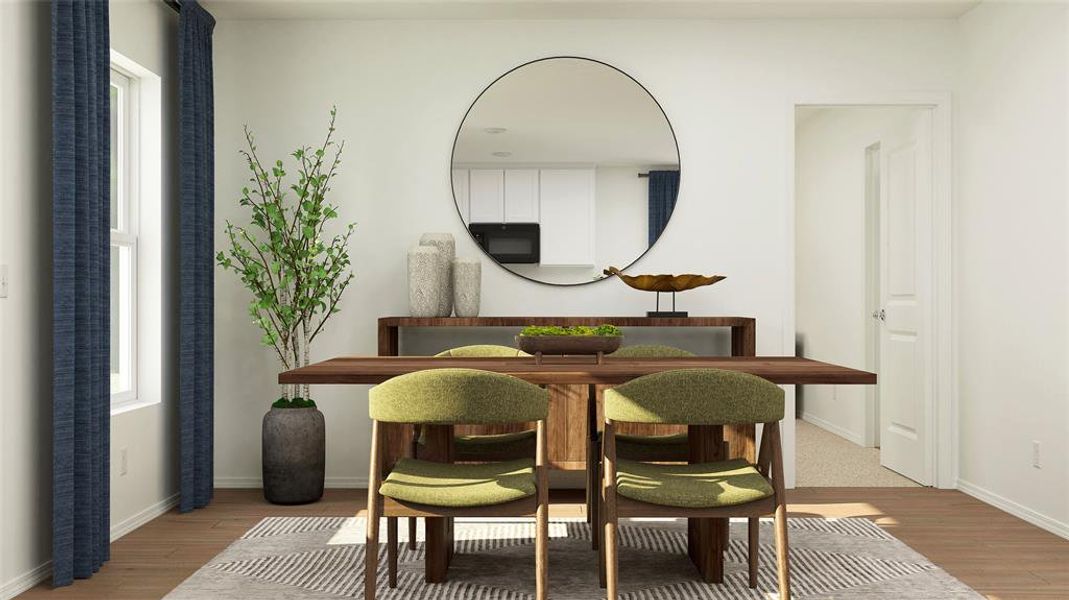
(905, 230)
(521, 195)
(486, 193)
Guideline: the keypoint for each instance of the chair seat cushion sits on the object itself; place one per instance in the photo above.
(515, 444)
(460, 485)
(656, 448)
(702, 485)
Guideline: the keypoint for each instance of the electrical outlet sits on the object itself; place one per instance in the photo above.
(1035, 455)
(122, 462)
(3, 281)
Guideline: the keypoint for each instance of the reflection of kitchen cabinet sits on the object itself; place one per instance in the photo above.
(501, 195)
(486, 196)
(567, 216)
(460, 193)
(521, 195)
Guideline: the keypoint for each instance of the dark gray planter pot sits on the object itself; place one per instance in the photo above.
(294, 455)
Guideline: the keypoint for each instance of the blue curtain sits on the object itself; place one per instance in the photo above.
(663, 189)
(81, 386)
(196, 213)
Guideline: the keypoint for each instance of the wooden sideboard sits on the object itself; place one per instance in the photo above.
(573, 417)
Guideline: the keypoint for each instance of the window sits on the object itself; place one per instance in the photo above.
(125, 162)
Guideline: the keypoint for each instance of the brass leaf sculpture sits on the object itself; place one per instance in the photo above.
(664, 283)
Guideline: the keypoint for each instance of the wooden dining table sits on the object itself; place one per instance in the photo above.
(707, 537)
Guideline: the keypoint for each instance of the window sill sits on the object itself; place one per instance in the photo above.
(119, 407)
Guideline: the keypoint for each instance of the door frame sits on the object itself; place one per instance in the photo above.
(942, 370)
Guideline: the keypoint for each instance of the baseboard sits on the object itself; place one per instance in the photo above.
(833, 428)
(21, 583)
(246, 483)
(1018, 510)
(126, 526)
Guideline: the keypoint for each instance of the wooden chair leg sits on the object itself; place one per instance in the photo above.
(609, 508)
(371, 556)
(391, 549)
(412, 534)
(782, 564)
(542, 552)
(611, 561)
(374, 510)
(542, 515)
(753, 545)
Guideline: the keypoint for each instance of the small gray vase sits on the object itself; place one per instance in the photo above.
(467, 286)
(294, 451)
(424, 285)
(447, 249)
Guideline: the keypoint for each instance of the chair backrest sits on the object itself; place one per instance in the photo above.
(695, 397)
(457, 396)
(482, 351)
(651, 351)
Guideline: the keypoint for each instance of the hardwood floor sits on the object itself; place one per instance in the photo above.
(995, 553)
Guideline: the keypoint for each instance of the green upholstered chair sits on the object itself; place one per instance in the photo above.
(651, 351)
(423, 488)
(481, 447)
(660, 448)
(706, 490)
(477, 447)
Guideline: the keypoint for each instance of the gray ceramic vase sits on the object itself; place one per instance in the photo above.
(447, 249)
(467, 286)
(294, 450)
(424, 284)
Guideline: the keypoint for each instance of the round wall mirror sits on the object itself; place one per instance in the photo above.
(563, 167)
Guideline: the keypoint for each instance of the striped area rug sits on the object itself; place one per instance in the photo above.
(323, 557)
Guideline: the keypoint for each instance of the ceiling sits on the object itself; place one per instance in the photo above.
(566, 111)
(588, 9)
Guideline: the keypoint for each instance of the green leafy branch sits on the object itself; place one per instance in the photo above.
(297, 273)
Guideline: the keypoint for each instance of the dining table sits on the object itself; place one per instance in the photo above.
(707, 538)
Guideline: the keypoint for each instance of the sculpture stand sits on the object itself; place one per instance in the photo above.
(669, 314)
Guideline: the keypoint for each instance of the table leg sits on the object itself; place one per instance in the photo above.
(705, 536)
(438, 446)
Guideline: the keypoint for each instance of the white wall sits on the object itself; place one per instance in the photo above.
(144, 31)
(831, 317)
(26, 314)
(402, 89)
(1011, 258)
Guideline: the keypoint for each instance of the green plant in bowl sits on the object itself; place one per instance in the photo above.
(574, 330)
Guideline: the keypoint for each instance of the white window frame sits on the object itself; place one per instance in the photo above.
(124, 234)
(140, 233)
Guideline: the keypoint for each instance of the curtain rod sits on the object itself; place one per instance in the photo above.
(174, 4)
(643, 174)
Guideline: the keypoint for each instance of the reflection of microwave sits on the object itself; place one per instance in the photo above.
(508, 242)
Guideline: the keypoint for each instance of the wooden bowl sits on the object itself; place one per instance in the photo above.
(569, 344)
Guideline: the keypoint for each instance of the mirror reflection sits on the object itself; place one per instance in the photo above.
(564, 166)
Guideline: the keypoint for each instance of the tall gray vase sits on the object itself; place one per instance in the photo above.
(294, 451)
(447, 249)
(424, 283)
(467, 286)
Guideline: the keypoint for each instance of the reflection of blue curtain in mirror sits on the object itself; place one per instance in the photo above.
(664, 186)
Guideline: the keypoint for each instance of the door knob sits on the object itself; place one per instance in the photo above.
(883, 315)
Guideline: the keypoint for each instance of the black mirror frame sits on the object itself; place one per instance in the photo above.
(456, 138)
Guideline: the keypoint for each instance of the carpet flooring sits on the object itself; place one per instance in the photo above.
(827, 460)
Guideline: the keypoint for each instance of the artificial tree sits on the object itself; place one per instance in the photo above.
(296, 276)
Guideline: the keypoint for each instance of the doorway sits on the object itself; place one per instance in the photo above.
(863, 298)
